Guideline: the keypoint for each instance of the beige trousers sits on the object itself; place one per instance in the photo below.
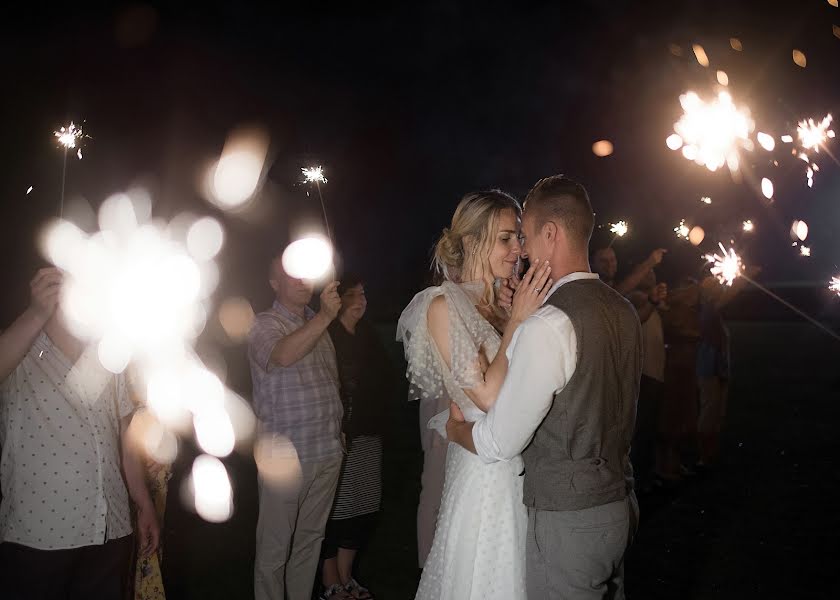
(290, 529)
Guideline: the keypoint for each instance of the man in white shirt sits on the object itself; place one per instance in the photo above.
(65, 520)
(568, 405)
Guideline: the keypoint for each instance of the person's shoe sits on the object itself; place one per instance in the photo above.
(335, 592)
(357, 591)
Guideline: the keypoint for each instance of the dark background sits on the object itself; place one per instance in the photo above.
(410, 105)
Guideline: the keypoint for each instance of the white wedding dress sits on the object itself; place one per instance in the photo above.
(478, 551)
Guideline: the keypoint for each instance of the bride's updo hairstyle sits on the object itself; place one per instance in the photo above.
(463, 249)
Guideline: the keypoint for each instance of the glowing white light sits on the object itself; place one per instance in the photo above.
(787, 139)
(722, 78)
(767, 188)
(834, 285)
(620, 229)
(114, 353)
(799, 230)
(748, 226)
(69, 136)
(766, 141)
(714, 131)
(205, 238)
(706, 200)
(682, 230)
(214, 432)
(813, 135)
(308, 258)
(674, 141)
(235, 177)
(804, 250)
(211, 487)
(314, 174)
(727, 266)
(29, 190)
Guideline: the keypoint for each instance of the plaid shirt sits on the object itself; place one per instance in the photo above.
(299, 402)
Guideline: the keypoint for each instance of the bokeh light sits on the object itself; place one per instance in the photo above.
(308, 258)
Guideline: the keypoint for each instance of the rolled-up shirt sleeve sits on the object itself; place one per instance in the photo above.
(542, 358)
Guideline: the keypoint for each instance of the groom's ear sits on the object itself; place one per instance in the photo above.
(550, 231)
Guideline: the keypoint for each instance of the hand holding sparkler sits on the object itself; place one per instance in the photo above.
(330, 301)
(44, 290)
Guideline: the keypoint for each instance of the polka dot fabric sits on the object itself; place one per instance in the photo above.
(60, 464)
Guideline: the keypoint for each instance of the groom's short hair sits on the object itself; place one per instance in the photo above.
(565, 200)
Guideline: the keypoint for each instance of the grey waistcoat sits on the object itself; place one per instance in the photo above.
(579, 457)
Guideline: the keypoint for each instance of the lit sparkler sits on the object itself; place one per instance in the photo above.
(748, 226)
(682, 230)
(727, 266)
(804, 250)
(706, 200)
(813, 135)
(69, 137)
(712, 132)
(834, 285)
(619, 229)
(316, 175)
(313, 174)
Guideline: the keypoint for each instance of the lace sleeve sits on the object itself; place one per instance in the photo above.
(429, 378)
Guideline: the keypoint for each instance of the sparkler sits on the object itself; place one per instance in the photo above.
(813, 135)
(804, 250)
(727, 266)
(712, 133)
(748, 226)
(316, 175)
(834, 285)
(706, 200)
(69, 137)
(682, 230)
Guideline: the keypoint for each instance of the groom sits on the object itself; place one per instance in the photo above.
(568, 405)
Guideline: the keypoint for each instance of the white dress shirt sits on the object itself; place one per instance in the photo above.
(60, 465)
(542, 357)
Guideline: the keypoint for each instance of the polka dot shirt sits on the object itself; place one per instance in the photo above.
(60, 465)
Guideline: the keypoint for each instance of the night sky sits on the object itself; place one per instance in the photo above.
(408, 107)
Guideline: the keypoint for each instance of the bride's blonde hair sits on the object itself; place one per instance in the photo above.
(465, 246)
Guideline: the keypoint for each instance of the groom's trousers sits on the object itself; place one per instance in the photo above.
(580, 553)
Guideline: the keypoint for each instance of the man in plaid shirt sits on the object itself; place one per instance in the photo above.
(299, 454)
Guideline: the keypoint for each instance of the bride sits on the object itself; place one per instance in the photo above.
(455, 337)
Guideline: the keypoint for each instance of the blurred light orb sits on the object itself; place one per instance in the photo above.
(696, 235)
(766, 141)
(308, 258)
(799, 59)
(722, 78)
(236, 317)
(276, 459)
(234, 178)
(674, 141)
(114, 353)
(799, 230)
(205, 238)
(700, 55)
(735, 44)
(767, 188)
(602, 148)
(214, 432)
(211, 489)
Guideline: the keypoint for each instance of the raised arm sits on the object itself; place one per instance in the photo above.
(632, 281)
(291, 348)
(16, 341)
(529, 296)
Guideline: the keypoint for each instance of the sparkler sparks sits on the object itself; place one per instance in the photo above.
(29, 190)
(313, 174)
(804, 251)
(787, 139)
(619, 229)
(834, 285)
(727, 266)
(706, 200)
(682, 230)
(812, 135)
(713, 131)
(766, 141)
(748, 226)
(69, 136)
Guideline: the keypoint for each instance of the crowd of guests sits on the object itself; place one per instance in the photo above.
(685, 374)
(75, 485)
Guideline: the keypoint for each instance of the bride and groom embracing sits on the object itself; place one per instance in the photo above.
(538, 495)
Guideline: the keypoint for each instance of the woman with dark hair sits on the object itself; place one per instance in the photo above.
(366, 387)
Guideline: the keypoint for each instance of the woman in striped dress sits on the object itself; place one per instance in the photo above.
(366, 385)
